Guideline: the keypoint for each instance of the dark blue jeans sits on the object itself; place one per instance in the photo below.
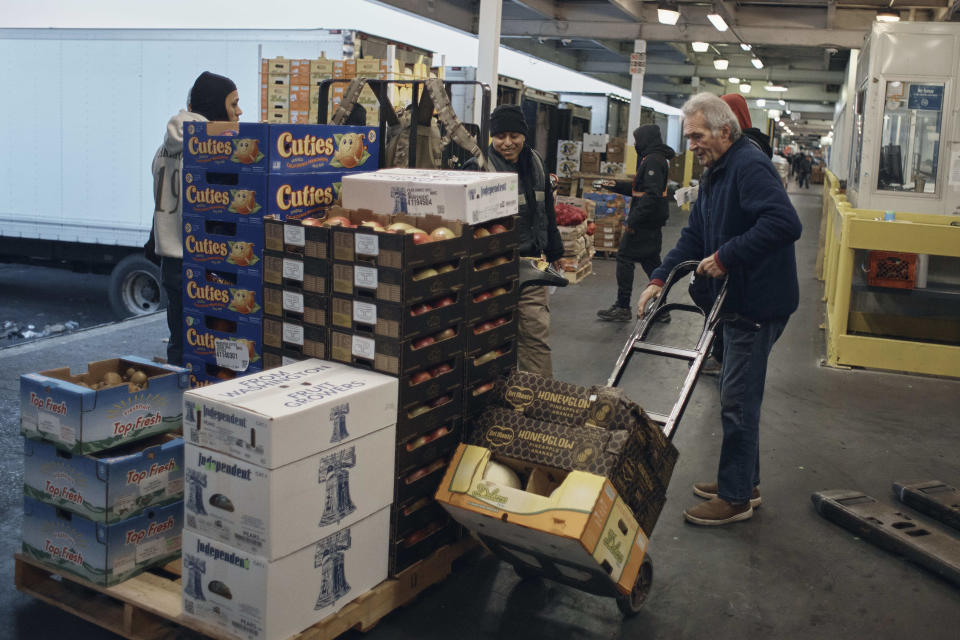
(746, 347)
(171, 271)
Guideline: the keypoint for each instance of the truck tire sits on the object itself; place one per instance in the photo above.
(136, 287)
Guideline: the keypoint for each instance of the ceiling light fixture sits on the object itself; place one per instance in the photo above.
(888, 16)
(668, 13)
(761, 103)
(782, 102)
(720, 64)
(745, 88)
(717, 21)
(775, 88)
(756, 62)
(700, 47)
(745, 46)
(733, 80)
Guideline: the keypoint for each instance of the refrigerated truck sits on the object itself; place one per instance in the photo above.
(86, 110)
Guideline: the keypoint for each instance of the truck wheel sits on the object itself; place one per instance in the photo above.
(135, 287)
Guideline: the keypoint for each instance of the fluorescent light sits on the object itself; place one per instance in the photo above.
(761, 102)
(782, 102)
(745, 88)
(886, 16)
(700, 47)
(668, 16)
(776, 88)
(720, 64)
(756, 62)
(733, 80)
(718, 22)
(745, 46)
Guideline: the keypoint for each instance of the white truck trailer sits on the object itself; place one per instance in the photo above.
(86, 110)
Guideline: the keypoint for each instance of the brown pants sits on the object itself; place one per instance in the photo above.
(533, 332)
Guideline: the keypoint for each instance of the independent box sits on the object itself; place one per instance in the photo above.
(225, 146)
(56, 407)
(282, 415)
(107, 487)
(100, 553)
(574, 523)
(313, 148)
(273, 513)
(297, 196)
(251, 598)
(471, 197)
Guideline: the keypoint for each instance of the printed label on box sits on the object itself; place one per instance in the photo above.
(48, 423)
(422, 201)
(367, 244)
(323, 148)
(365, 312)
(232, 354)
(293, 301)
(293, 333)
(294, 235)
(365, 277)
(293, 269)
(364, 347)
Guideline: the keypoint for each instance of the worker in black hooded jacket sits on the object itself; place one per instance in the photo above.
(649, 209)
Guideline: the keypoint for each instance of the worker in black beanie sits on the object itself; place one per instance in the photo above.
(537, 226)
(214, 97)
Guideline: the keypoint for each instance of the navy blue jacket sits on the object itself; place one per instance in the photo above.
(744, 215)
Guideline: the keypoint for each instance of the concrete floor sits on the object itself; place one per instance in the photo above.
(787, 573)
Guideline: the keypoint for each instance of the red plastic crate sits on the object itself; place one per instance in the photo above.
(892, 269)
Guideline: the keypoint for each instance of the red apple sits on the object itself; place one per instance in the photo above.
(446, 334)
(483, 327)
(497, 228)
(480, 232)
(337, 221)
(480, 297)
(444, 302)
(419, 376)
(440, 369)
(423, 342)
(502, 320)
(312, 222)
(439, 433)
(420, 309)
(416, 444)
(419, 237)
(442, 400)
(483, 388)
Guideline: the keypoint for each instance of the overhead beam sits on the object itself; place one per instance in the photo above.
(443, 13)
(803, 93)
(546, 8)
(778, 74)
(547, 52)
(630, 8)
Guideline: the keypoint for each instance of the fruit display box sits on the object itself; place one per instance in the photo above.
(494, 237)
(229, 197)
(232, 296)
(204, 372)
(408, 286)
(293, 303)
(298, 238)
(62, 407)
(399, 321)
(235, 247)
(296, 336)
(491, 363)
(223, 341)
(490, 272)
(294, 197)
(490, 334)
(420, 481)
(395, 357)
(315, 148)
(274, 357)
(420, 449)
(225, 146)
(310, 274)
(421, 543)
(498, 300)
(109, 486)
(419, 416)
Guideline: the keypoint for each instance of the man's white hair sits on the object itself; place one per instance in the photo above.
(716, 113)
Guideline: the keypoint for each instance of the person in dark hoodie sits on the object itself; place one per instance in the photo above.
(537, 226)
(212, 97)
(739, 107)
(649, 209)
(742, 226)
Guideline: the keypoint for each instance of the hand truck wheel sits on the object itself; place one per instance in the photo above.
(630, 604)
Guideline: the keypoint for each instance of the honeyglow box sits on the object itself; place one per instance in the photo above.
(106, 487)
(225, 146)
(252, 598)
(313, 148)
(468, 196)
(62, 408)
(231, 197)
(275, 512)
(282, 415)
(575, 520)
(100, 553)
(298, 196)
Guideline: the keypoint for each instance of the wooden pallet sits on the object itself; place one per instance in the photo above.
(573, 277)
(149, 606)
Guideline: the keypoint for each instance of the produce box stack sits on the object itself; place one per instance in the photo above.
(562, 478)
(594, 146)
(102, 470)
(607, 232)
(568, 158)
(572, 222)
(289, 485)
(307, 165)
(224, 190)
(321, 69)
(436, 307)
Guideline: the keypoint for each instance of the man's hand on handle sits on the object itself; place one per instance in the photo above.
(711, 266)
(650, 293)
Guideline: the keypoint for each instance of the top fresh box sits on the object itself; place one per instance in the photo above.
(115, 402)
(237, 147)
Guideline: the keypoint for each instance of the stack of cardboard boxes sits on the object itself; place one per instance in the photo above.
(576, 254)
(289, 485)
(610, 210)
(103, 477)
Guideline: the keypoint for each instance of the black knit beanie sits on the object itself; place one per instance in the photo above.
(507, 118)
(208, 97)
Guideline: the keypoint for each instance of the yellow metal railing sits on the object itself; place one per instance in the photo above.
(847, 229)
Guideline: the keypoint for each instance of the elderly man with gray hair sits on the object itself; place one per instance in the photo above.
(742, 226)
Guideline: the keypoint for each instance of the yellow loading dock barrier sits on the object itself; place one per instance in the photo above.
(844, 230)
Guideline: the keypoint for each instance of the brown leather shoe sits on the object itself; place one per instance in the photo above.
(709, 490)
(717, 511)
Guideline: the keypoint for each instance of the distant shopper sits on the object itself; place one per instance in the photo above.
(649, 210)
(212, 97)
(742, 226)
(537, 226)
(738, 105)
(804, 167)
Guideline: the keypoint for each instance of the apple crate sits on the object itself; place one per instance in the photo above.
(420, 481)
(421, 543)
(408, 286)
(488, 334)
(414, 515)
(493, 238)
(421, 448)
(422, 412)
(291, 335)
(298, 238)
(488, 272)
(295, 304)
(392, 356)
(493, 302)
(273, 357)
(476, 397)
(490, 363)
(399, 321)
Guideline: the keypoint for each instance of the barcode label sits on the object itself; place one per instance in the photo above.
(232, 354)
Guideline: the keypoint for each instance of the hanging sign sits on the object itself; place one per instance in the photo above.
(638, 63)
(928, 97)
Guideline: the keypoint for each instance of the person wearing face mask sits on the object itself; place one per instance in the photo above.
(212, 98)
(537, 226)
(742, 226)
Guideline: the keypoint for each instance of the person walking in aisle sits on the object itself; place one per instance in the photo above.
(212, 97)
(804, 166)
(649, 210)
(537, 225)
(742, 226)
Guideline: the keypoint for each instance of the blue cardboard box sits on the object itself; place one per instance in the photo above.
(232, 296)
(106, 487)
(203, 373)
(608, 204)
(104, 554)
(226, 146)
(235, 247)
(298, 196)
(237, 346)
(64, 409)
(312, 148)
(232, 197)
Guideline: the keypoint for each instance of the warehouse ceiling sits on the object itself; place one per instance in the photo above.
(804, 45)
